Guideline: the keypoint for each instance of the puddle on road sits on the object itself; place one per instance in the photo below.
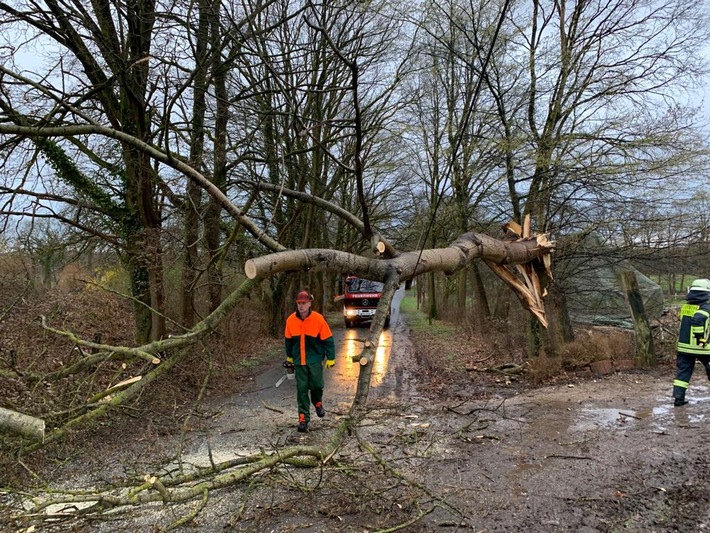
(589, 418)
(352, 346)
(561, 418)
(660, 416)
(693, 414)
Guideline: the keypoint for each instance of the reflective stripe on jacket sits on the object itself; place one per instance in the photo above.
(308, 340)
(694, 325)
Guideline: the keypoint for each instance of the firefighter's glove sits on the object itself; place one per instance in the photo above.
(329, 363)
(288, 363)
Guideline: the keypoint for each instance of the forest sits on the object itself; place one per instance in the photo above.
(195, 164)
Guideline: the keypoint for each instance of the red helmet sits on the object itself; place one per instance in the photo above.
(303, 296)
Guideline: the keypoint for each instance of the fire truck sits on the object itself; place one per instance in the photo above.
(360, 299)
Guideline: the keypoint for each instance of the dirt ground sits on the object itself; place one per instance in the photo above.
(587, 454)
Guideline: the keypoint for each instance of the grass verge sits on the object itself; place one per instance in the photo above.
(420, 323)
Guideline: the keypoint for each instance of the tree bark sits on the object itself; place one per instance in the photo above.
(470, 246)
(20, 424)
(482, 310)
(645, 355)
(432, 309)
(560, 323)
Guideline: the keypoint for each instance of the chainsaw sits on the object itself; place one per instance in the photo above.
(289, 373)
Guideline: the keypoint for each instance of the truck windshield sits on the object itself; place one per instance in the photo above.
(361, 286)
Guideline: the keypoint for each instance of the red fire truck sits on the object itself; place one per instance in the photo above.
(360, 299)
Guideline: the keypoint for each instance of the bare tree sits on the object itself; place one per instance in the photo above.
(277, 122)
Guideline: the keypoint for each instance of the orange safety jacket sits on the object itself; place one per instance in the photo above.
(308, 340)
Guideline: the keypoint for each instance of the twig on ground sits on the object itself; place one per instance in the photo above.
(476, 409)
(484, 359)
(271, 408)
(409, 522)
(558, 456)
(397, 474)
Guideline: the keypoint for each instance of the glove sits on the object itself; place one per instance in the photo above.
(329, 363)
(288, 364)
(289, 360)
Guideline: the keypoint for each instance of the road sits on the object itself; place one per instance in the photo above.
(265, 416)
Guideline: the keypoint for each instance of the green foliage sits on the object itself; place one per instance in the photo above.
(69, 173)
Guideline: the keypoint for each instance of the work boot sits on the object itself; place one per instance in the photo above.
(302, 424)
(319, 410)
(679, 396)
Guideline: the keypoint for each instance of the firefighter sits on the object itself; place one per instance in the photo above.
(692, 338)
(309, 342)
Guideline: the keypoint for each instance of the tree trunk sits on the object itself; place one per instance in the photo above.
(219, 175)
(534, 339)
(191, 209)
(645, 355)
(140, 291)
(560, 325)
(481, 308)
(431, 297)
(191, 257)
(461, 292)
(279, 308)
(157, 287)
(502, 307)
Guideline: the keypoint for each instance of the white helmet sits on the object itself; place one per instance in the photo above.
(701, 285)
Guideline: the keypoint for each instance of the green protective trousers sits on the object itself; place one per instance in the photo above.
(309, 379)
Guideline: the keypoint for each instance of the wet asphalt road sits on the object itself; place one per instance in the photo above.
(341, 380)
(265, 416)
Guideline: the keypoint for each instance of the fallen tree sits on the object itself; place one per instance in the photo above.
(524, 251)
